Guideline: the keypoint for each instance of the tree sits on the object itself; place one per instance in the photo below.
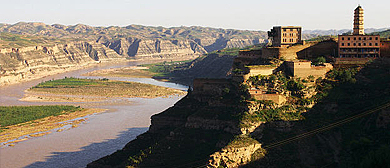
(319, 61)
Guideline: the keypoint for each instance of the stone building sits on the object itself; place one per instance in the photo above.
(385, 48)
(358, 45)
(284, 36)
(304, 69)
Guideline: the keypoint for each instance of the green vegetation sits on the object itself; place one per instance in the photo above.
(9, 40)
(69, 83)
(242, 141)
(319, 61)
(383, 34)
(227, 51)
(321, 38)
(293, 88)
(361, 142)
(164, 69)
(234, 51)
(122, 72)
(12, 115)
(102, 87)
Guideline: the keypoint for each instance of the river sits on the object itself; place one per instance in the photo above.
(101, 135)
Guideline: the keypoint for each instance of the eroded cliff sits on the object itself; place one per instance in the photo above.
(217, 125)
(59, 47)
(26, 63)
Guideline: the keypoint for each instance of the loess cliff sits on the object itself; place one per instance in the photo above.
(343, 122)
(26, 63)
(33, 50)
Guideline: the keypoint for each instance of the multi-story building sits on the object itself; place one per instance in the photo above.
(284, 36)
(358, 45)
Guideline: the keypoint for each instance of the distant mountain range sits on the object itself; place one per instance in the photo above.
(337, 32)
(209, 38)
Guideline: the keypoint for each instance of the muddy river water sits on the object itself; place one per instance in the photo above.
(100, 135)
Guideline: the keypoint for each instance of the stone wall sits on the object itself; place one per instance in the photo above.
(348, 62)
(271, 52)
(250, 53)
(256, 70)
(289, 53)
(326, 48)
(276, 98)
(303, 69)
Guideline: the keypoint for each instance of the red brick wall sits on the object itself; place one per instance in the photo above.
(385, 49)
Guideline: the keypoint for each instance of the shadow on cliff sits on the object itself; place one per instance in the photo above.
(358, 142)
(89, 153)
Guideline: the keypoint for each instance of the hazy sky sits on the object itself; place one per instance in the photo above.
(237, 14)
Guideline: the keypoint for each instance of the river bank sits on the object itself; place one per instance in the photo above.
(38, 72)
(20, 132)
(98, 136)
(87, 90)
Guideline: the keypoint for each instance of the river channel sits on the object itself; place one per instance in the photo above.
(101, 134)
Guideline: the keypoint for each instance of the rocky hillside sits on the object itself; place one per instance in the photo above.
(29, 48)
(217, 64)
(358, 141)
(217, 124)
(138, 41)
(39, 59)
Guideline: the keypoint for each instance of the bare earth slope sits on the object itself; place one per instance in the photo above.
(32, 50)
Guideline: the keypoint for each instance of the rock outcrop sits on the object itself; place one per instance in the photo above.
(57, 46)
(27, 63)
(233, 156)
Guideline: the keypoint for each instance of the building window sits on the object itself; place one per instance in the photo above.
(360, 44)
(342, 38)
(370, 44)
(364, 44)
(364, 38)
(354, 38)
(284, 29)
(342, 44)
(376, 38)
(360, 38)
(349, 44)
(349, 38)
(370, 38)
(354, 44)
(376, 44)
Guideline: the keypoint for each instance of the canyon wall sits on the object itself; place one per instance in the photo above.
(27, 63)
(33, 50)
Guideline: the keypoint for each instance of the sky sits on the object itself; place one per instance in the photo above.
(231, 14)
